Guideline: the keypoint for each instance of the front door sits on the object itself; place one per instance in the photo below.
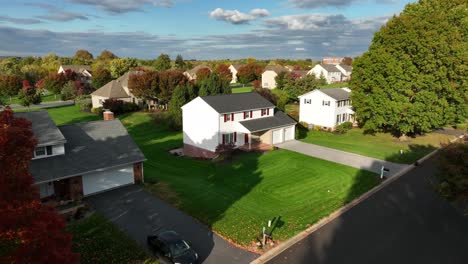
(246, 138)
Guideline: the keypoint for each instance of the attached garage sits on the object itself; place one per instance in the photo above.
(289, 133)
(107, 179)
(277, 136)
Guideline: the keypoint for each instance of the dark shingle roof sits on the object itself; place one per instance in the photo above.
(43, 127)
(330, 67)
(77, 68)
(276, 68)
(336, 93)
(300, 73)
(280, 119)
(227, 103)
(197, 68)
(90, 146)
(112, 89)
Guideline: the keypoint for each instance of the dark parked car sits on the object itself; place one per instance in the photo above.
(171, 248)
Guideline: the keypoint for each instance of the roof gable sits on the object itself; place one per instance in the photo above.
(112, 89)
(276, 68)
(227, 103)
(337, 93)
(330, 67)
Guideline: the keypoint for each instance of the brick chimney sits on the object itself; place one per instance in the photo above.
(108, 115)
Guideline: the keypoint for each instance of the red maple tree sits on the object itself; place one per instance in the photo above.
(29, 231)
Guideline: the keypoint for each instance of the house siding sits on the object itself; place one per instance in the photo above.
(268, 79)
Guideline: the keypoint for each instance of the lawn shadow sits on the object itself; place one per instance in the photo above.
(203, 189)
(412, 154)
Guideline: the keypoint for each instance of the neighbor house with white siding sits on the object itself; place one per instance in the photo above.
(243, 119)
(328, 71)
(234, 68)
(326, 108)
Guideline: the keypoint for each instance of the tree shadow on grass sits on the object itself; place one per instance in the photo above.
(412, 154)
(201, 188)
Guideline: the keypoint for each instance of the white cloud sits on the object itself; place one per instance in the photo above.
(123, 6)
(259, 12)
(236, 17)
(300, 49)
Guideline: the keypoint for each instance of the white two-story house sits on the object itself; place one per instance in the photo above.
(329, 71)
(234, 68)
(242, 119)
(326, 108)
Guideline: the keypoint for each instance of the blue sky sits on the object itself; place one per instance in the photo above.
(199, 29)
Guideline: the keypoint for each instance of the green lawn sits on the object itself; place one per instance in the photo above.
(245, 89)
(237, 199)
(45, 98)
(70, 114)
(99, 241)
(381, 146)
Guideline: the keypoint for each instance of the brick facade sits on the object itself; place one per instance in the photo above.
(192, 151)
(138, 172)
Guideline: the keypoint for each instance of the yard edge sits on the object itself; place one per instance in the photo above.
(290, 242)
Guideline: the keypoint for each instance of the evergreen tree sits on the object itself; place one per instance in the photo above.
(413, 78)
(180, 63)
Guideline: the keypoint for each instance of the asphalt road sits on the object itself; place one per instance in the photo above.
(140, 214)
(406, 222)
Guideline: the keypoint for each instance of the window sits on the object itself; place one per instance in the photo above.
(307, 101)
(344, 118)
(49, 150)
(326, 102)
(227, 117)
(39, 152)
(265, 84)
(338, 117)
(229, 138)
(263, 112)
(247, 114)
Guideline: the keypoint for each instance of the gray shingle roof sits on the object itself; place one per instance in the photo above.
(336, 93)
(276, 68)
(330, 67)
(90, 146)
(43, 127)
(112, 89)
(77, 68)
(228, 103)
(280, 119)
(194, 70)
(347, 68)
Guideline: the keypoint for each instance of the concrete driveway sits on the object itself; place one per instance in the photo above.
(140, 214)
(342, 157)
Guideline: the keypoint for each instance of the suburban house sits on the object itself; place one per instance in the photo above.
(192, 74)
(234, 68)
(244, 119)
(346, 71)
(73, 161)
(326, 108)
(329, 71)
(269, 75)
(115, 89)
(83, 71)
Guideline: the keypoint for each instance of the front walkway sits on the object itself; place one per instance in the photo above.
(140, 214)
(342, 157)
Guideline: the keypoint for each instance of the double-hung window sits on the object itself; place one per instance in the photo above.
(247, 114)
(266, 111)
(229, 138)
(307, 101)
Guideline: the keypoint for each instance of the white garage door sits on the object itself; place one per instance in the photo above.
(288, 133)
(108, 179)
(278, 136)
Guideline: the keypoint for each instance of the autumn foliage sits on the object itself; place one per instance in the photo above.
(224, 72)
(29, 231)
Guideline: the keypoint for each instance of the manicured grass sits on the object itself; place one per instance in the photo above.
(242, 89)
(45, 98)
(99, 241)
(71, 114)
(381, 146)
(334, 85)
(236, 199)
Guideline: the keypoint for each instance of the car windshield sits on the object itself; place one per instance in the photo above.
(179, 248)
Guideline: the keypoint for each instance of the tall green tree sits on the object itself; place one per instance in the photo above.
(54, 83)
(83, 55)
(163, 62)
(180, 63)
(106, 55)
(413, 78)
(120, 66)
(100, 78)
(295, 86)
(213, 85)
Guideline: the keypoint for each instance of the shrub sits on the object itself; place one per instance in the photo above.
(281, 100)
(301, 131)
(84, 105)
(343, 128)
(119, 106)
(257, 84)
(97, 111)
(167, 120)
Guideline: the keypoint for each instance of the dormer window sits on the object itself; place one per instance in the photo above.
(43, 151)
(266, 111)
(247, 114)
